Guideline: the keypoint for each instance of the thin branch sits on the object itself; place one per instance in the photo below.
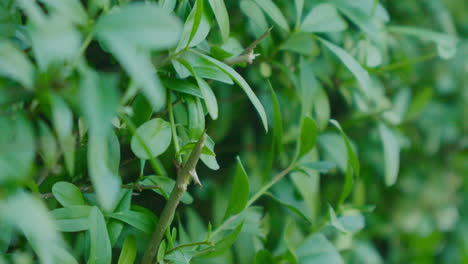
(183, 179)
(89, 188)
(248, 55)
(189, 245)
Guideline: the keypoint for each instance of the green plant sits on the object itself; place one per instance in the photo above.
(340, 130)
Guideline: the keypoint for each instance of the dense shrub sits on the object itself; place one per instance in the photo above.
(253, 131)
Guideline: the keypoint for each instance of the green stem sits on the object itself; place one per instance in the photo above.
(267, 186)
(189, 245)
(403, 63)
(133, 129)
(183, 179)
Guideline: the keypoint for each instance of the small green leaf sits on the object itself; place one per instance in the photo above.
(167, 184)
(129, 251)
(321, 166)
(222, 17)
(239, 191)
(308, 87)
(225, 243)
(48, 146)
(323, 18)
(67, 194)
(15, 65)
(253, 11)
(353, 66)
(196, 27)
(277, 122)
(62, 119)
(307, 138)
(100, 247)
(391, 149)
(274, 13)
(182, 86)
(136, 219)
(209, 160)
(72, 218)
(156, 134)
(302, 43)
(289, 206)
(242, 83)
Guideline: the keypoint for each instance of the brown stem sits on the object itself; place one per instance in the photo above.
(248, 56)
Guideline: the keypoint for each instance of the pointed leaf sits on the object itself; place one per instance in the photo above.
(222, 17)
(391, 154)
(323, 18)
(239, 191)
(100, 247)
(274, 13)
(67, 194)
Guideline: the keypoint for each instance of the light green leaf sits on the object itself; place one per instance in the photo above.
(208, 95)
(182, 86)
(222, 17)
(67, 194)
(129, 251)
(307, 138)
(446, 44)
(209, 160)
(54, 41)
(253, 11)
(17, 148)
(196, 28)
(72, 218)
(136, 219)
(100, 247)
(225, 243)
(167, 184)
(156, 133)
(391, 148)
(302, 43)
(15, 65)
(299, 8)
(289, 206)
(353, 66)
(48, 146)
(321, 166)
(62, 119)
(29, 215)
(270, 8)
(242, 83)
(321, 108)
(317, 249)
(239, 191)
(308, 87)
(68, 10)
(130, 32)
(323, 18)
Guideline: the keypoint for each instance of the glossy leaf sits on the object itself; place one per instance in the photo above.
(156, 134)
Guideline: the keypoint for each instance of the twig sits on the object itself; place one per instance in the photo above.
(183, 179)
(248, 55)
(189, 245)
(89, 188)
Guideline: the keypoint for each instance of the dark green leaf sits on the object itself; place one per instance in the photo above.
(136, 219)
(239, 191)
(308, 136)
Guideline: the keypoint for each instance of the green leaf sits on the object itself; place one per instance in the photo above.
(222, 17)
(289, 206)
(196, 27)
(307, 138)
(167, 184)
(277, 122)
(239, 191)
(209, 160)
(129, 251)
(48, 146)
(72, 218)
(323, 18)
(391, 149)
(130, 32)
(62, 119)
(274, 13)
(253, 11)
(196, 118)
(308, 87)
(100, 247)
(299, 8)
(446, 44)
(242, 83)
(321, 166)
(136, 219)
(29, 215)
(67, 194)
(207, 92)
(302, 43)
(263, 257)
(17, 148)
(353, 66)
(68, 10)
(156, 134)
(317, 249)
(16, 65)
(182, 86)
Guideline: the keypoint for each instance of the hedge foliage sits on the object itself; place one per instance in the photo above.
(252, 131)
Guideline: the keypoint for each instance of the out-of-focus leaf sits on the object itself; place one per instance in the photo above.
(130, 33)
(391, 148)
(308, 87)
(15, 65)
(72, 218)
(225, 243)
(62, 118)
(156, 133)
(69, 10)
(48, 146)
(321, 166)
(196, 27)
(253, 11)
(239, 191)
(129, 251)
(100, 247)
(274, 13)
(222, 17)
(289, 206)
(323, 18)
(353, 66)
(67, 194)
(182, 86)
(317, 249)
(302, 43)
(277, 123)
(446, 44)
(17, 144)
